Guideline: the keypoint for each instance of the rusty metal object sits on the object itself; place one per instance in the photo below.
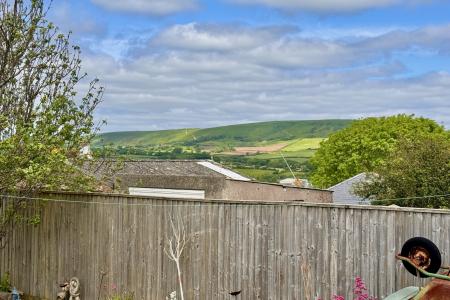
(423, 253)
(437, 289)
(421, 270)
(420, 257)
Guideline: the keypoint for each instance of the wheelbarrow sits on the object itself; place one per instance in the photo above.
(422, 258)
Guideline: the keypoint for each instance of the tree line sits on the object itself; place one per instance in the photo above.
(406, 160)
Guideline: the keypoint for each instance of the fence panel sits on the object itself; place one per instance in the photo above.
(258, 250)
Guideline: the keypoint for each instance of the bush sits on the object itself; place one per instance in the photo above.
(5, 284)
(122, 296)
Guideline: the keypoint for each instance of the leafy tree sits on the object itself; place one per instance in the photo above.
(43, 126)
(418, 171)
(365, 145)
(43, 122)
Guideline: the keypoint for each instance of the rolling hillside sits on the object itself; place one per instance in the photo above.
(252, 149)
(253, 134)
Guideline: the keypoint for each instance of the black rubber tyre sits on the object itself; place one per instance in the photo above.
(423, 245)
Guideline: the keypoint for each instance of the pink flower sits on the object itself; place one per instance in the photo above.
(360, 289)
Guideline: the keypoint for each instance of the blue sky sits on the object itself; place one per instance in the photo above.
(196, 63)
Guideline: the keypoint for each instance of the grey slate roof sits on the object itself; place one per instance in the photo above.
(168, 168)
(343, 191)
(178, 168)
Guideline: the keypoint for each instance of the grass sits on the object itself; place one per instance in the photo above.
(300, 150)
(273, 131)
(144, 138)
(302, 154)
(253, 134)
(303, 144)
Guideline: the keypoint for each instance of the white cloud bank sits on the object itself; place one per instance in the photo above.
(196, 75)
(153, 7)
(195, 36)
(327, 6)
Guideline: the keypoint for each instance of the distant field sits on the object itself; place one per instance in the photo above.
(251, 149)
(257, 150)
(297, 154)
(304, 144)
(299, 150)
(302, 155)
(241, 135)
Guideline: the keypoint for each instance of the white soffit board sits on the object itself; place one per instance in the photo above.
(167, 193)
(223, 171)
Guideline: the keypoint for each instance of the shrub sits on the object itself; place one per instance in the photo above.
(122, 296)
(5, 284)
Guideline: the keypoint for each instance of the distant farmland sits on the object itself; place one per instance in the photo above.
(253, 149)
(241, 135)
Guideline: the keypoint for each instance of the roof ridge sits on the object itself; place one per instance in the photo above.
(348, 179)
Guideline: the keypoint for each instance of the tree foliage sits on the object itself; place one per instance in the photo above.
(365, 145)
(43, 122)
(417, 173)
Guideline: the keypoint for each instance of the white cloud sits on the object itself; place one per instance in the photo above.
(199, 76)
(209, 37)
(326, 6)
(298, 52)
(288, 47)
(81, 24)
(432, 37)
(153, 7)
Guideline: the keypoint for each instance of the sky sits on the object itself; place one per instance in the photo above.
(169, 64)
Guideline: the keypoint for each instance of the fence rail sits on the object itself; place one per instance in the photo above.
(263, 250)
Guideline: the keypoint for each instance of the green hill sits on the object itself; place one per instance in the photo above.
(143, 138)
(252, 134)
(253, 149)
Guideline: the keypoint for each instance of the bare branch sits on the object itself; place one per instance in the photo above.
(175, 246)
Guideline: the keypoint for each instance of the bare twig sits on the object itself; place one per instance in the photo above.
(174, 248)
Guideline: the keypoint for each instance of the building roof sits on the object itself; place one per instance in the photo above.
(198, 168)
(343, 191)
(223, 171)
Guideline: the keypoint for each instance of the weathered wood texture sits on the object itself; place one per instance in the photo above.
(264, 250)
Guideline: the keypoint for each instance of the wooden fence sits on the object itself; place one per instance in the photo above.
(264, 250)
